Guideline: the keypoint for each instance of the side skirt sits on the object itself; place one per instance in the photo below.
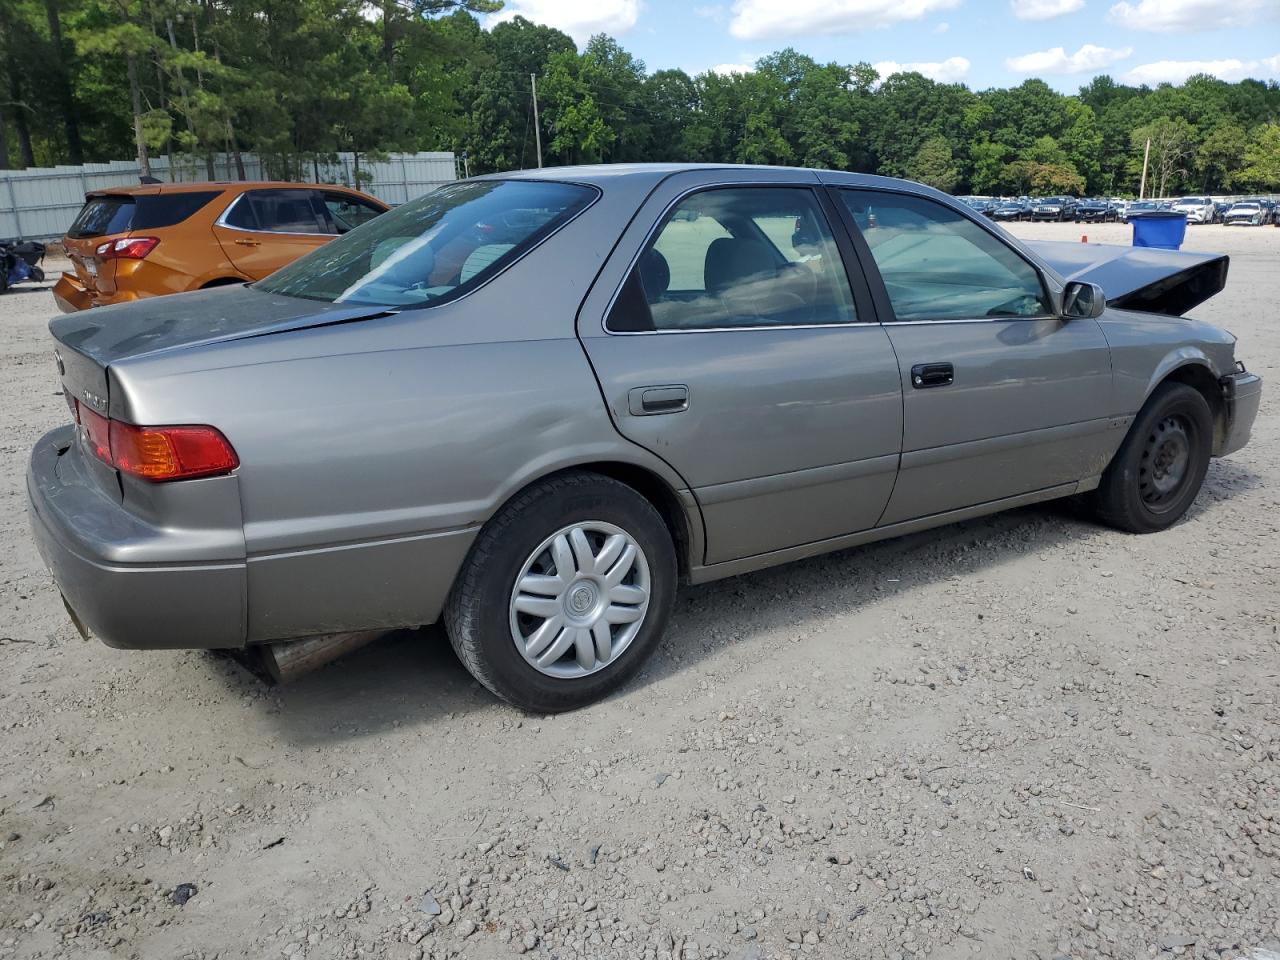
(730, 568)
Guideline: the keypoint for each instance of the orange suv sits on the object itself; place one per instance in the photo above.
(133, 242)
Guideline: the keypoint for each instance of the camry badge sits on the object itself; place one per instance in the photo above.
(92, 399)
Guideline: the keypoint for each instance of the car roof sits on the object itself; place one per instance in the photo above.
(603, 174)
(225, 186)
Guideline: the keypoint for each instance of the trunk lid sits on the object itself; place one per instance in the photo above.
(1139, 278)
(105, 335)
(89, 341)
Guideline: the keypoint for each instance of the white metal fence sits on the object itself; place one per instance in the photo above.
(39, 203)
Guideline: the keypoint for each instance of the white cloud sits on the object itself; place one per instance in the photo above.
(943, 27)
(578, 18)
(1085, 60)
(1165, 16)
(725, 69)
(769, 19)
(1175, 71)
(947, 71)
(1044, 9)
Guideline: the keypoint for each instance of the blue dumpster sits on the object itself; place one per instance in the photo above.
(1159, 228)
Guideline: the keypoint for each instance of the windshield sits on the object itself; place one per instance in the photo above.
(434, 248)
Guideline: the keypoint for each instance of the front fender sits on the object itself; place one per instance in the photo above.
(1184, 356)
(1146, 348)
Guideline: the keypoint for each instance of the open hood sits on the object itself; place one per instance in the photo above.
(1139, 278)
(108, 334)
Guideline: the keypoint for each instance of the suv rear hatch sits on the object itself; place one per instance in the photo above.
(104, 216)
(122, 214)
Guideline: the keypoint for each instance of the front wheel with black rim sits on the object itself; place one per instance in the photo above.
(565, 593)
(1161, 464)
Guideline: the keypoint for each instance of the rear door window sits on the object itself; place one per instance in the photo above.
(737, 257)
(278, 211)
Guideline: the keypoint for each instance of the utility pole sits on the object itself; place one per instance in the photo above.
(537, 130)
(1146, 155)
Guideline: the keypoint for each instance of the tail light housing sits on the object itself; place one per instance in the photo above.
(157, 454)
(128, 248)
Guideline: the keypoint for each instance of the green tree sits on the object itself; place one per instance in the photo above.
(934, 164)
(1172, 147)
(1261, 169)
(1220, 155)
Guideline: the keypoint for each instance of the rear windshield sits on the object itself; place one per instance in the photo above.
(102, 215)
(434, 248)
(121, 213)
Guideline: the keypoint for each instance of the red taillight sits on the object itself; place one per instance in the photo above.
(130, 248)
(171, 453)
(97, 429)
(157, 454)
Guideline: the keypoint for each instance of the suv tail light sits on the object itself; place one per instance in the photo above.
(157, 454)
(130, 248)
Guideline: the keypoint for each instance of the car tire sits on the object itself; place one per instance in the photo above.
(520, 544)
(1161, 464)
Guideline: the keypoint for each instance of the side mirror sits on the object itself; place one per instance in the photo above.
(1083, 301)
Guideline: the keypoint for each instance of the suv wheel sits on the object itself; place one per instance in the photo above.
(1161, 464)
(565, 593)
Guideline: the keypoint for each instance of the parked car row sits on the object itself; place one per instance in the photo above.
(1252, 211)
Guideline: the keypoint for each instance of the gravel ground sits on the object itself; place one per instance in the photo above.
(1019, 737)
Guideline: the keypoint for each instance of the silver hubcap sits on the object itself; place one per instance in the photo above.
(580, 599)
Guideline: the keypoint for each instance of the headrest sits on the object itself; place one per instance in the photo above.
(655, 274)
(731, 260)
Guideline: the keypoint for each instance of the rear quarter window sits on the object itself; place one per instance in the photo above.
(170, 209)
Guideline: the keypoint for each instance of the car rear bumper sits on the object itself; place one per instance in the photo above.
(1243, 392)
(78, 531)
(70, 295)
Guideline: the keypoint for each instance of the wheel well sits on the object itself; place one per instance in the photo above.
(221, 282)
(1198, 377)
(659, 493)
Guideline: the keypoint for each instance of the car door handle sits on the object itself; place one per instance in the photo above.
(925, 375)
(651, 401)
(249, 243)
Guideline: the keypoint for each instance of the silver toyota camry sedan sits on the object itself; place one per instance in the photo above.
(531, 405)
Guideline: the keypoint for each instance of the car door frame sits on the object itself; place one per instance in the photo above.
(1109, 426)
(607, 287)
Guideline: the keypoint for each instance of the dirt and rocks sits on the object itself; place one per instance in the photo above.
(1020, 737)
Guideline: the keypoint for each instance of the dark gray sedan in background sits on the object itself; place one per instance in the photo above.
(531, 405)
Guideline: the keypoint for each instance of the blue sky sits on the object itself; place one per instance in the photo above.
(983, 43)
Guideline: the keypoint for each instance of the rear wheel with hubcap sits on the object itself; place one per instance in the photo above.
(1161, 464)
(565, 593)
